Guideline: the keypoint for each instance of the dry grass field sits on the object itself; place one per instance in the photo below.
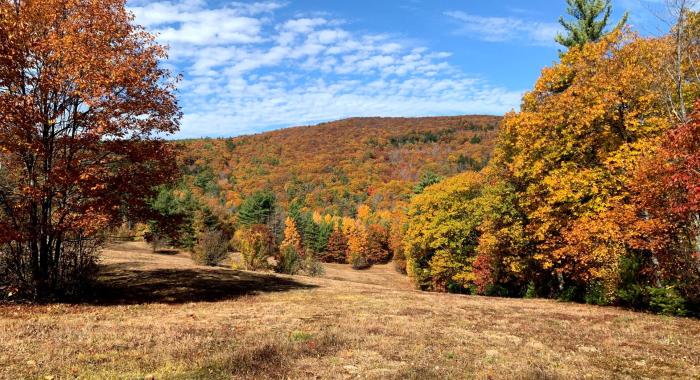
(159, 316)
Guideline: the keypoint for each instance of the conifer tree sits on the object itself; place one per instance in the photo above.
(292, 239)
(257, 209)
(591, 17)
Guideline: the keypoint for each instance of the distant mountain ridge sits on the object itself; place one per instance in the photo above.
(336, 166)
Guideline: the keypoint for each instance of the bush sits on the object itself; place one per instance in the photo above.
(360, 263)
(74, 276)
(312, 266)
(633, 296)
(666, 300)
(571, 293)
(211, 249)
(531, 291)
(256, 244)
(288, 261)
(400, 264)
(596, 295)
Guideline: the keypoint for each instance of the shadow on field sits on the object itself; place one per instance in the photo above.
(122, 284)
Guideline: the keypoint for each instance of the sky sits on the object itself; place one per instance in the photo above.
(253, 66)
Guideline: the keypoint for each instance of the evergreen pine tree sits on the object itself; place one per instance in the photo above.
(591, 17)
(257, 209)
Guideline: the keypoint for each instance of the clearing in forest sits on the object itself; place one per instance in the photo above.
(160, 315)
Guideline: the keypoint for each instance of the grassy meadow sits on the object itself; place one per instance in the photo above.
(158, 316)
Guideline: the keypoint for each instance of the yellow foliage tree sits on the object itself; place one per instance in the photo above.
(292, 238)
(441, 239)
(357, 243)
(567, 157)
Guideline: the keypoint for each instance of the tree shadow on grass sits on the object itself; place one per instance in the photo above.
(122, 284)
(167, 252)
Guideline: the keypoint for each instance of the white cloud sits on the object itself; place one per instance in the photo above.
(246, 70)
(500, 29)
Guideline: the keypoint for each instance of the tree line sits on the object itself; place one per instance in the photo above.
(592, 191)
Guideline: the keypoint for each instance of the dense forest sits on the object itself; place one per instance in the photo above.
(335, 167)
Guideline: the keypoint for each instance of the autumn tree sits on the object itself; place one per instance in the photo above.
(591, 17)
(356, 232)
(82, 101)
(292, 239)
(665, 212)
(378, 251)
(565, 161)
(504, 264)
(397, 230)
(337, 250)
(442, 233)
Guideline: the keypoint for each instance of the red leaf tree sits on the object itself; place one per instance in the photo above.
(82, 103)
(667, 199)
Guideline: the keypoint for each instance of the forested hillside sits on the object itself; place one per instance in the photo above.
(334, 167)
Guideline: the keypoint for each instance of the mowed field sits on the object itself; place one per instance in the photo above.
(158, 316)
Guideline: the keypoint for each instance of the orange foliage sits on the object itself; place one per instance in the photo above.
(337, 250)
(82, 98)
(335, 167)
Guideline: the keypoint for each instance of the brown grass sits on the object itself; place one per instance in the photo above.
(159, 316)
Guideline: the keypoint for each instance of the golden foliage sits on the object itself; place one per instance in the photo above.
(442, 233)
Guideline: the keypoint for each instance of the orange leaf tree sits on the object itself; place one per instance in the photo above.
(567, 158)
(666, 208)
(82, 102)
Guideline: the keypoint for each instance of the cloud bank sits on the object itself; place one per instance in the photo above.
(245, 69)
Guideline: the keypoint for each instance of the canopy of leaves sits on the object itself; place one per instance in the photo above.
(442, 233)
(82, 101)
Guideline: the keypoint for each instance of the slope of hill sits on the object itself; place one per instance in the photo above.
(336, 166)
(161, 317)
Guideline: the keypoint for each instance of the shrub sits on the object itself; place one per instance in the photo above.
(360, 262)
(256, 244)
(312, 266)
(531, 291)
(596, 294)
(400, 263)
(288, 261)
(666, 300)
(571, 293)
(211, 249)
(633, 296)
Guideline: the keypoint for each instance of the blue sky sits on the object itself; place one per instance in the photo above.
(260, 65)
